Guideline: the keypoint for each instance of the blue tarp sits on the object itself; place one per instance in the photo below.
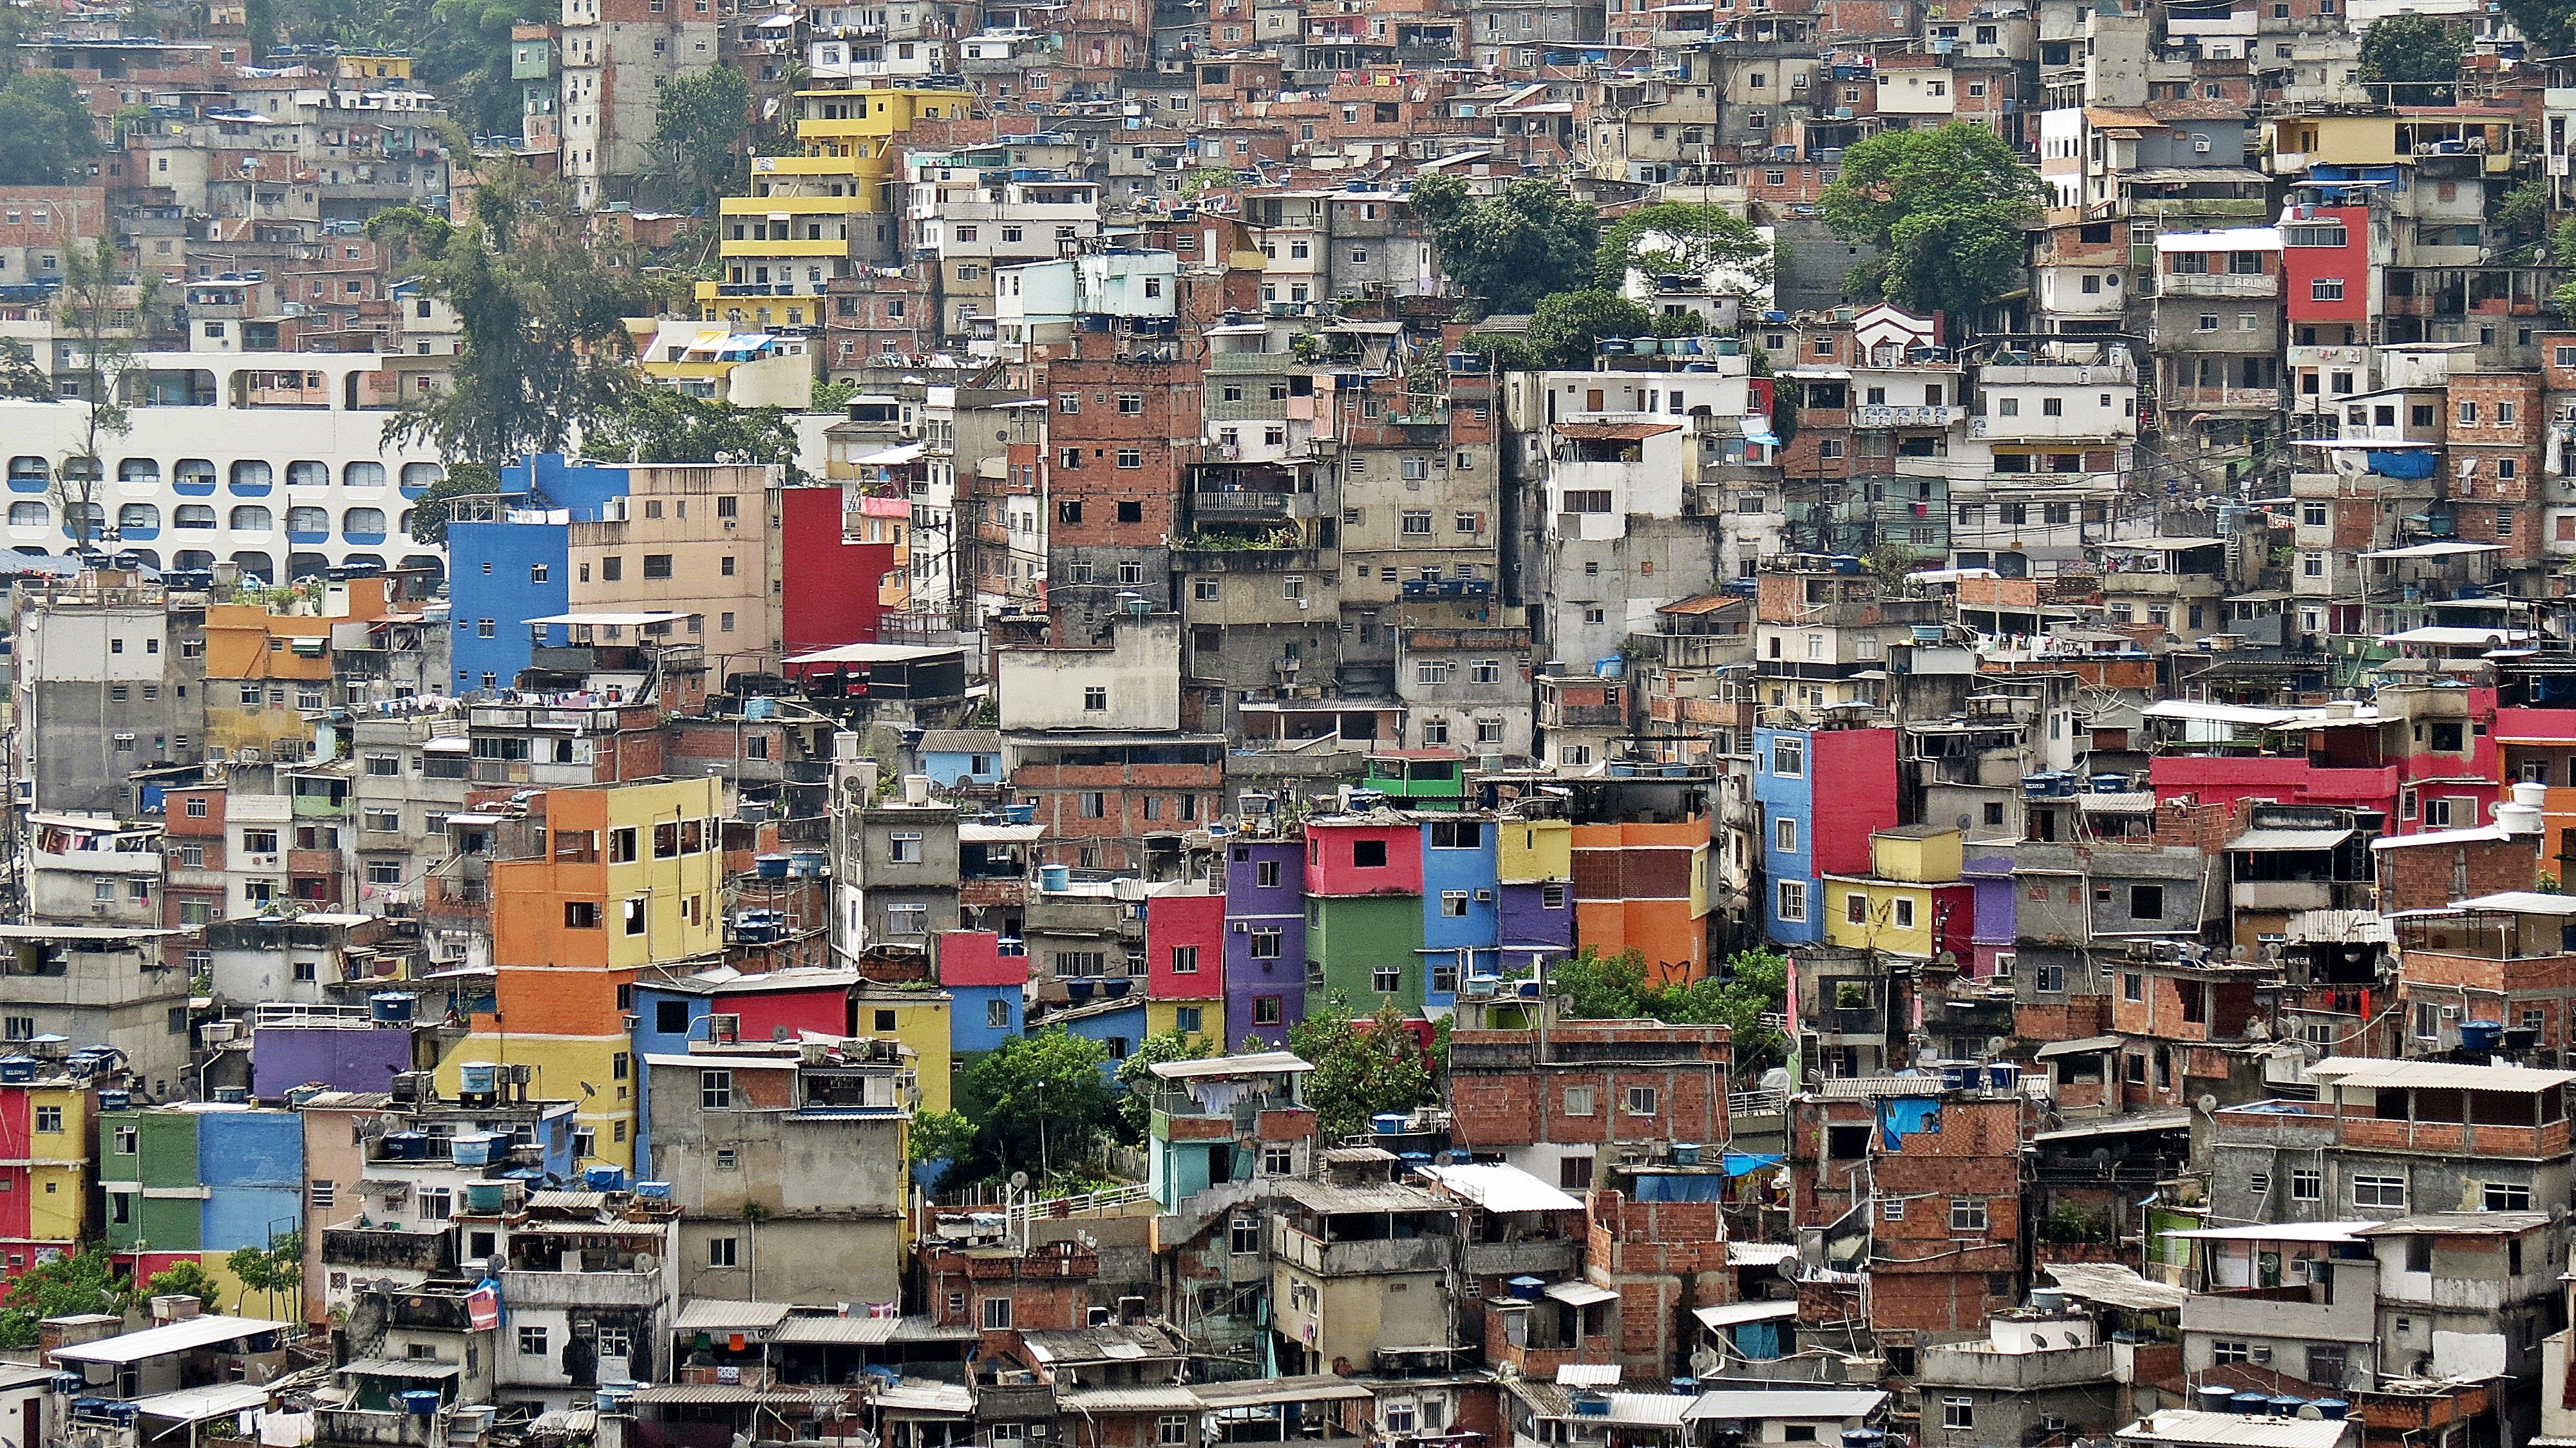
(1901, 1116)
(2411, 465)
(1677, 1187)
(1741, 1163)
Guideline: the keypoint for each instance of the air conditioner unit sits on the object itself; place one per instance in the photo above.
(1484, 897)
(2450, 1013)
(2052, 1423)
(2302, 1269)
(1243, 927)
(724, 1030)
(2263, 1354)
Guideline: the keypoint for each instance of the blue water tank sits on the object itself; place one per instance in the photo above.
(17, 1070)
(769, 867)
(1685, 1153)
(653, 1191)
(2287, 1405)
(1387, 1123)
(2252, 1404)
(478, 1078)
(390, 1006)
(604, 1179)
(419, 1402)
(2003, 1075)
(2481, 1035)
(2331, 1409)
(1055, 877)
(1527, 1289)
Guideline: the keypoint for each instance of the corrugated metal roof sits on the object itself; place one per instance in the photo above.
(1731, 1313)
(710, 1314)
(1499, 1187)
(1816, 1403)
(2190, 1425)
(1255, 1392)
(1326, 1197)
(185, 1335)
(1587, 1375)
(2115, 1286)
(848, 1331)
(723, 1393)
(1144, 1398)
(2436, 1075)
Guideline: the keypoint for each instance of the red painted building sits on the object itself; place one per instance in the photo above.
(1358, 857)
(827, 584)
(1185, 945)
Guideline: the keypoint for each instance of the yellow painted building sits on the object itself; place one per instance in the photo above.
(634, 878)
(53, 1187)
(920, 1020)
(810, 216)
(1896, 909)
(1163, 1017)
(1533, 852)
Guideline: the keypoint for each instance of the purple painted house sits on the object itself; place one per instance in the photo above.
(1265, 939)
(1533, 922)
(1991, 896)
(341, 1057)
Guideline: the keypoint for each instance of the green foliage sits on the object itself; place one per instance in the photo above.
(1533, 240)
(1038, 1100)
(2548, 25)
(46, 135)
(2523, 216)
(459, 48)
(543, 342)
(1501, 354)
(1362, 1067)
(1207, 178)
(698, 134)
(185, 1279)
(20, 377)
(1615, 988)
(84, 1281)
(661, 425)
(109, 321)
(1945, 208)
(940, 1136)
(274, 1272)
(1563, 329)
(2417, 58)
(1676, 237)
(832, 396)
(437, 502)
(1135, 1108)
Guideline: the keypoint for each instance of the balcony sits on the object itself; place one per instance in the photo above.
(1520, 1259)
(1239, 505)
(1369, 1258)
(1872, 415)
(2222, 399)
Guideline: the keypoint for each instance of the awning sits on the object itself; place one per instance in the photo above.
(190, 1405)
(1584, 1294)
(186, 1335)
(607, 620)
(2084, 1047)
(2261, 841)
(2276, 1232)
(1735, 1313)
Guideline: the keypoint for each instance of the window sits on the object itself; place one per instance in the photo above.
(1959, 1413)
(1788, 758)
(1641, 1101)
(997, 1014)
(904, 847)
(2325, 289)
(2307, 1184)
(532, 1342)
(1784, 836)
(1265, 1009)
(1386, 979)
(2507, 1197)
(1243, 1236)
(724, 1251)
(1453, 903)
(2326, 1365)
(1265, 944)
(2146, 902)
(997, 1314)
(1368, 854)
(49, 1119)
(1793, 901)
(2379, 1191)
(1968, 1215)
(1095, 700)
(1185, 960)
(2224, 1352)
(715, 1090)
(1578, 1101)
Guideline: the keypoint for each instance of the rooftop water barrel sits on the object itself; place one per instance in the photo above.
(2480, 1035)
(770, 867)
(1863, 1438)
(1958, 1075)
(1685, 1153)
(2331, 1409)
(478, 1078)
(232, 1095)
(614, 1397)
(483, 1197)
(114, 1100)
(406, 1146)
(1021, 812)
(2003, 1075)
(1527, 1289)
(392, 1007)
(1055, 877)
(419, 1402)
(2216, 1399)
(1387, 1123)
(2252, 1404)
(653, 1191)
(17, 1070)
(2287, 1405)
(805, 864)
(604, 1179)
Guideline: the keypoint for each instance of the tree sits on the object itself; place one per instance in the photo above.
(46, 134)
(1362, 1067)
(664, 425)
(2547, 26)
(940, 1138)
(1036, 1101)
(1512, 249)
(81, 1282)
(274, 1271)
(436, 506)
(542, 342)
(1600, 988)
(2417, 58)
(1563, 329)
(108, 322)
(698, 133)
(2523, 216)
(1738, 995)
(20, 377)
(186, 1279)
(1135, 1075)
(1945, 209)
(1677, 238)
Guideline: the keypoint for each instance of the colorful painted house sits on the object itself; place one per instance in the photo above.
(1265, 939)
(779, 1005)
(1534, 891)
(1810, 832)
(1364, 912)
(633, 878)
(986, 977)
(920, 1017)
(1461, 907)
(196, 1182)
(45, 1191)
(1643, 886)
(1184, 961)
(1911, 904)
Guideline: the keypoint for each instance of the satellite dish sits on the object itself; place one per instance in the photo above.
(1019, 1181)
(2208, 1104)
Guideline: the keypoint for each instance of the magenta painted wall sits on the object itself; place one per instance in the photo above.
(1854, 774)
(1329, 870)
(1178, 919)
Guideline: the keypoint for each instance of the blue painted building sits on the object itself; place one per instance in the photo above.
(986, 978)
(1117, 1024)
(251, 1165)
(1461, 921)
(502, 574)
(970, 757)
(1822, 794)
